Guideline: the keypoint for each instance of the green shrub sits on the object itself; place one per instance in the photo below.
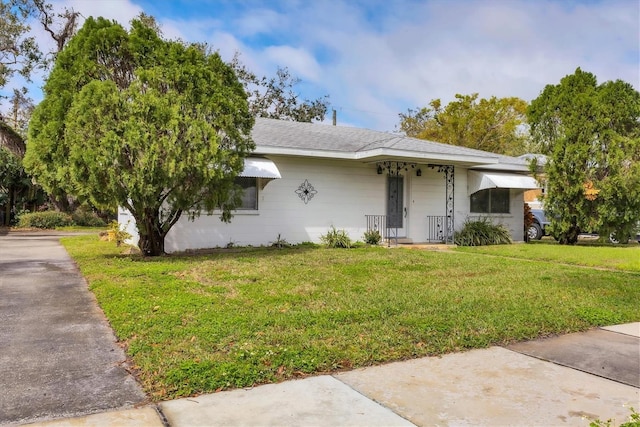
(85, 218)
(280, 243)
(482, 232)
(372, 237)
(336, 238)
(119, 234)
(46, 219)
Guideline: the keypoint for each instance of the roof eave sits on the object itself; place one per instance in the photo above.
(507, 167)
(297, 152)
(381, 154)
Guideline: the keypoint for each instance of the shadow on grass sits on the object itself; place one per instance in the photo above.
(221, 253)
(588, 242)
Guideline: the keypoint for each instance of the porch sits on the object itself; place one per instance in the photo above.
(439, 229)
(415, 194)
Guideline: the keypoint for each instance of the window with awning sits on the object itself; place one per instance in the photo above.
(256, 174)
(260, 168)
(478, 181)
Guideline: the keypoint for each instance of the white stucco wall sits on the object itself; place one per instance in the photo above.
(427, 197)
(346, 192)
(514, 220)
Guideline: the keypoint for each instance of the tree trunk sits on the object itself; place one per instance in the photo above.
(63, 202)
(570, 237)
(8, 208)
(151, 241)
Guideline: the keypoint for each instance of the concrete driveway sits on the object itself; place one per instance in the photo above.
(59, 357)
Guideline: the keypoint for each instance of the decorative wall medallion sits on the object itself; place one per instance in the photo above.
(306, 191)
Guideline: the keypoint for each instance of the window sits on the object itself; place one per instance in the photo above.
(493, 200)
(249, 192)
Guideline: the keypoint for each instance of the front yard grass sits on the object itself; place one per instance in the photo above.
(590, 254)
(241, 317)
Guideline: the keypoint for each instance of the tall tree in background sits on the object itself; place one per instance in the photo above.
(275, 98)
(496, 125)
(20, 54)
(591, 135)
(60, 26)
(130, 119)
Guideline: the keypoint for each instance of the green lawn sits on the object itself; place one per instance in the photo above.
(618, 257)
(235, 318)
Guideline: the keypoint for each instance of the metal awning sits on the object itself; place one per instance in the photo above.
(260, 168)
(482, 180)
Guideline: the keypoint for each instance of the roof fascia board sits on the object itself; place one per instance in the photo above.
(507, 167)
(378, 155)
(385, 153)
(297, 152)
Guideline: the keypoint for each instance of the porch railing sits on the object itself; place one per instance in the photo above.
(439, 229)
(377, 223)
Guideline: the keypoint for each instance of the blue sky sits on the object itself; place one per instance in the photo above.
(377, 58)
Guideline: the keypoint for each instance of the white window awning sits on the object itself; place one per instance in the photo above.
(260, 168)
(482, 180)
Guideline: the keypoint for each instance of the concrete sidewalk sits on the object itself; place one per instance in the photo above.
(494, 386)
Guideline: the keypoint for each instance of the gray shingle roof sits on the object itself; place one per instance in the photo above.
(315, 137)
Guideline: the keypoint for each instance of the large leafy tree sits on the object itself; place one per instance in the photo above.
(497, 125)
(156, 126)
(591, 135)
(20, 54)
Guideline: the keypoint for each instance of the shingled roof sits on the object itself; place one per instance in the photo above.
(341, 142)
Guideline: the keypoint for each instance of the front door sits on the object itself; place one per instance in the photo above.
(395, 206)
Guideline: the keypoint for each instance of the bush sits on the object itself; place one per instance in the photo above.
(85, 218)
(46, 219)
(115, 232)
(336, 238)
(372, 237)
(280, 243)
(482, 232)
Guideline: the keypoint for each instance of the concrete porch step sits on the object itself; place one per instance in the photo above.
(401, 240)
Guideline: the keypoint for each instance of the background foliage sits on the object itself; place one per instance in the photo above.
(496, 125)
(591, 135)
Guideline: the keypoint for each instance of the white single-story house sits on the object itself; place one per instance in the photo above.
(304, 178)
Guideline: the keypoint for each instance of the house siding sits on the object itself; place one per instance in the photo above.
(346, 192)
(513, 221)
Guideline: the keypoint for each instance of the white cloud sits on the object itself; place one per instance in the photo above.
(495, 48)
(122, 11)
(378, 60)
(258, 21)
(299, 61)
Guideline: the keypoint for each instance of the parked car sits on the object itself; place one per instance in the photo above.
(538, 228)
(613, 239)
